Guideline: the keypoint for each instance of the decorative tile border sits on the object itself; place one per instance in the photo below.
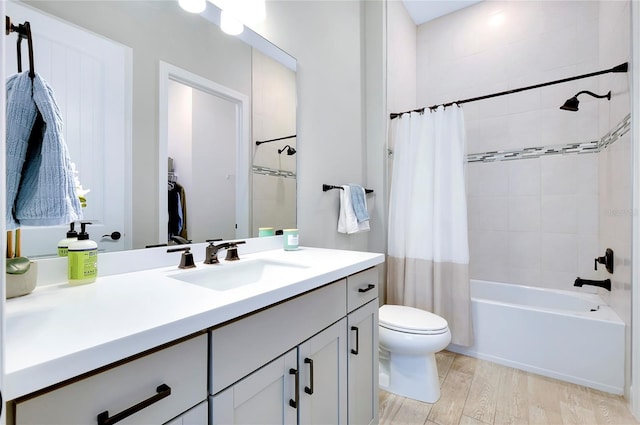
(273, 172)
(536, 152)
(620, 130)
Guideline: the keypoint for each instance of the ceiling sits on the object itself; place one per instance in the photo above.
(422, 11)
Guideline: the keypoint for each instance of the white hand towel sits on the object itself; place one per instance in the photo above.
(347, 220)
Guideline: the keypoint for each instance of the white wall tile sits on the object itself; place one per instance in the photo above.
(488, 213)
(487, 179)
(559, 214)
(559, 252)
(524, 249)
(524, 213)
(558, 175)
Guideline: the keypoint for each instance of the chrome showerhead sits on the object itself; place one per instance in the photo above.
(572, 103)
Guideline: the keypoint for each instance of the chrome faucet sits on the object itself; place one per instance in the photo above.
(211, 254)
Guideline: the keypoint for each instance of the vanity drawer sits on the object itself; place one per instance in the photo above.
(181, 367)
(362, 287)
(240, 347)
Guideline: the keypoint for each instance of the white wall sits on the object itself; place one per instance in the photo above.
(615, 164)
(401, 59)
(325, 38)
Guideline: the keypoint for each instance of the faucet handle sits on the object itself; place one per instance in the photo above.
(232, 250)
(607, 260)
(186, 260)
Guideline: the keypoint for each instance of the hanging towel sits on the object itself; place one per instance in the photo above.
(359, 202)
(21, 116)
(347, 220)
(46, 194)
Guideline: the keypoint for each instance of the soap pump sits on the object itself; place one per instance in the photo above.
(83, 258)
(63, 245)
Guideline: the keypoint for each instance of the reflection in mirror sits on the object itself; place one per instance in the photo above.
(139, 30)
(274, 169)
(204, 130)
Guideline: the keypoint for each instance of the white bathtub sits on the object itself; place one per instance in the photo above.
(549, 332)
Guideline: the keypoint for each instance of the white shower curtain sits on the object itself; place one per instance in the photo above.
(428, 255)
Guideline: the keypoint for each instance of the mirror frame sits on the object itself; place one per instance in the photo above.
(243, 144)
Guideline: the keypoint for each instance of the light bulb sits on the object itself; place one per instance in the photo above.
(193, 6)
(229, 24)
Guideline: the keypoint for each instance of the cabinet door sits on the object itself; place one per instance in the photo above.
(363, 364)
(267, 396)
(199, 415)
(323, 376)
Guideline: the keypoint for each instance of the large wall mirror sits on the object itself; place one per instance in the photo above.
(125, 74)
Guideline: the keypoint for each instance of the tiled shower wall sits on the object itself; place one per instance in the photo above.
(531, 221)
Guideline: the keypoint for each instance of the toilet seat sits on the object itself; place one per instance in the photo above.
(411, 320)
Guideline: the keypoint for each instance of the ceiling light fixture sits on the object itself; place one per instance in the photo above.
(193, 6)
(229, 24)
(237, 13)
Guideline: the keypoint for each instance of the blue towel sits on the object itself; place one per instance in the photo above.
(359, 202)
(46, 193)
(21, 115)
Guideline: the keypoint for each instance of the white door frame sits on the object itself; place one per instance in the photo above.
(3, 233)
(635, 234)
(243, 157)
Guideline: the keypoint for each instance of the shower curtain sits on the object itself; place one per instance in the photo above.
(428, 252)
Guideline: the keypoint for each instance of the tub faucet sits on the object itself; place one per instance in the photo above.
(606, 284)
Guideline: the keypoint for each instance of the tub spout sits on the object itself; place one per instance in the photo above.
(606, 284)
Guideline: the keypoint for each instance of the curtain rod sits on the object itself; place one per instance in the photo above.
(623, 67)
(259, 142)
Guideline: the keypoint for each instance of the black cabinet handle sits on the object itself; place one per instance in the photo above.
(162, 391)
(294, 403)
(309, 390)
(355, 328)
(368, 288)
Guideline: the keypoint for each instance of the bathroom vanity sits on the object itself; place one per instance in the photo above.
(279, 336)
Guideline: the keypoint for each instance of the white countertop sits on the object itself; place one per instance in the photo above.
(61, 331)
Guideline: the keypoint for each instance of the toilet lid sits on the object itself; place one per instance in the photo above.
(410, 320)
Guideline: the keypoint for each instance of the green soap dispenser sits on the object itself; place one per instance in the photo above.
(63, 245)
(82, 258)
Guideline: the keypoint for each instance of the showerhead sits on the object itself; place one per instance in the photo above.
(572, 103)
(289, 149)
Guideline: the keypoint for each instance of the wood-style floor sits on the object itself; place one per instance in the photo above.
(478, 392)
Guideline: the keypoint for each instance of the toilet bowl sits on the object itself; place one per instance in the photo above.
(409, 338)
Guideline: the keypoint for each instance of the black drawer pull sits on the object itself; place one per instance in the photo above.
(355, 328)
(309, 390)
(294, 403)
(368, 288)
(162, 391)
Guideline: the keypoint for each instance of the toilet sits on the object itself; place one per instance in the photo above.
(409, 338)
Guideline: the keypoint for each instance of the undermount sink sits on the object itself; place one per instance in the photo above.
(232, 275)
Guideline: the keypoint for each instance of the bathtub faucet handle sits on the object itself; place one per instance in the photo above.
(607, 260)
